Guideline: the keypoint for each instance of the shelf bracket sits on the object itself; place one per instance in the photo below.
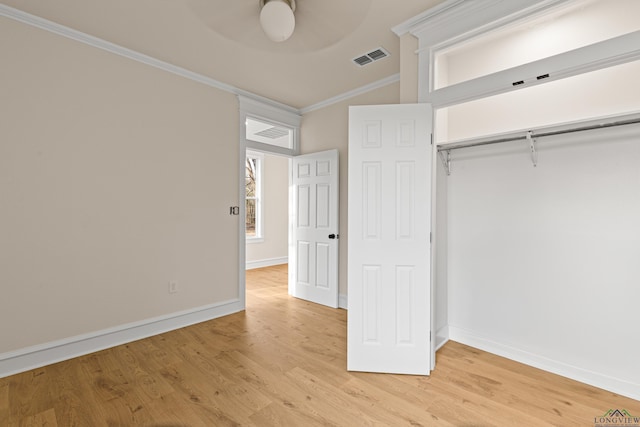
(446, 161)
(532, 147)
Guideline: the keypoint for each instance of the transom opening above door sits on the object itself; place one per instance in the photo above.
(269, 133)
(268, 128)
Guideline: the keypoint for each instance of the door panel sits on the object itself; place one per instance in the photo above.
(314, 255)
(389, 320)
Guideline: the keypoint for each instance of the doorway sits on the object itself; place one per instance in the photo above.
(291, 208)
(266, 209)
(268, 134)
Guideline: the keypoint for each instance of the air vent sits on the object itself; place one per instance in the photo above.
(363, 60)
(368, 58)
(273, 133)
(377, 54)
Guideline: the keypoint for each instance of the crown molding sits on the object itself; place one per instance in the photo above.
(352, 93)
(255, 107)
(453, 19)
(79, 36)
(99, 43)
(425, 17)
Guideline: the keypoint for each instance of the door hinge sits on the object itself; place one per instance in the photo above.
(431, 237)
(431, 139)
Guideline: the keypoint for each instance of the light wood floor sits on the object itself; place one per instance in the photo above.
(283, 362)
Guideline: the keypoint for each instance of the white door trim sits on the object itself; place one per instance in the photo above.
(270, 113)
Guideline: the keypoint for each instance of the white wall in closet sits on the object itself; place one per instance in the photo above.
(542, 261)
(606, 92)
(569, 26)
(574, 25)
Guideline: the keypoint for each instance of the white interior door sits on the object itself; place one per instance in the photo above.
(389, 321)
(313, 249)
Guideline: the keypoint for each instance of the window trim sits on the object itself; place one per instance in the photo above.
(259, 198)
(277, 115)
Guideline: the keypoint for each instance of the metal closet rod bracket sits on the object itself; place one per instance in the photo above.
(594, 124)
(446, 161)
(532, 147)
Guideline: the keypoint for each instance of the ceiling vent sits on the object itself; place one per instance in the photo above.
(370, 57)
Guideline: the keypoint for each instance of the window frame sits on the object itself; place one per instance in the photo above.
(271, 113)
(259, 198)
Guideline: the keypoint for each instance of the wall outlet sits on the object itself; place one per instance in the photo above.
(173, 287)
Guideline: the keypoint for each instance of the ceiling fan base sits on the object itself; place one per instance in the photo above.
(291, 3)
(319, 24)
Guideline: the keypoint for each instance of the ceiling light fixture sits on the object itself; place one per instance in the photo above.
(277, 20)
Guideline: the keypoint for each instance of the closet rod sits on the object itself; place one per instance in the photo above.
(455, 146)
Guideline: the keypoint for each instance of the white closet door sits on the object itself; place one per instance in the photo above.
(389, 321)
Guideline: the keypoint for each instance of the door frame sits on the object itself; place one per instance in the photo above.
(279, 115)
(242, 237)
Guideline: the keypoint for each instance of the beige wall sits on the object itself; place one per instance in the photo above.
(275, 211)
(328, 128)
(115, 178)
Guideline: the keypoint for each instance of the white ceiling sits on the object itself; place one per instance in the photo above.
(222, 39)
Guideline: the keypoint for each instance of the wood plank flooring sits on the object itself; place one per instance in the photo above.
(283, 363)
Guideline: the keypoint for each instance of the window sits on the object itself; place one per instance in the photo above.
(267, 133)
(265, 127)
(253, 195)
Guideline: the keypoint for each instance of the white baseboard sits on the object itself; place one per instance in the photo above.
(266, 262)
(37, 356)
(615, 385)
(442, 336)
(342, 301)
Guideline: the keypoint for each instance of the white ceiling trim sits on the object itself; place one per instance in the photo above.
(352, 93)
(452, 19)
(79, 36)
(424, 17)
(99, 43)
